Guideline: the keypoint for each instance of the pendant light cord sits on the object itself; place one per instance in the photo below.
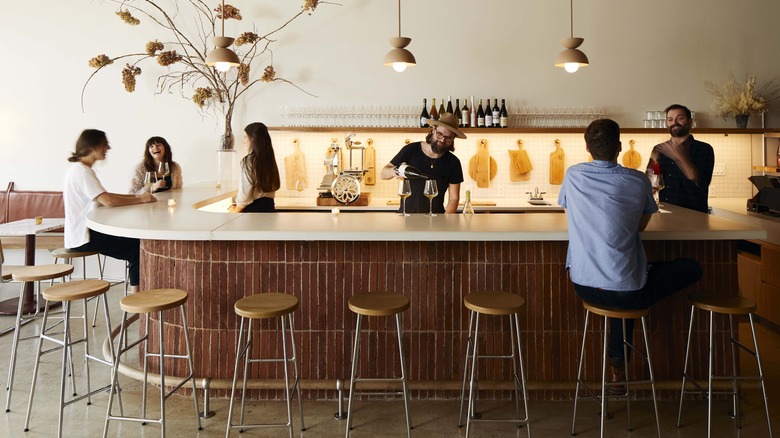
(223, 18)
(571, 18)
(399, 18)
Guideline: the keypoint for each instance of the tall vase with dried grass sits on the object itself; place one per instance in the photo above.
(742, 99)
(184, 55)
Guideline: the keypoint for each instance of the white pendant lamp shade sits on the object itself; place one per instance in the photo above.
(399, 58)
(571, 59)
(222, 58)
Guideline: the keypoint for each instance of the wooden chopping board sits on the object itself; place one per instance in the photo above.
(370, 164)
(557, 161)
(632, 158)
(482, 167)
(295, 168)
(519, 163)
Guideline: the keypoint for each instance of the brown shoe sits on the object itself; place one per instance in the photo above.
(617, 375)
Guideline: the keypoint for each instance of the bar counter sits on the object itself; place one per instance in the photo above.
(324, 259)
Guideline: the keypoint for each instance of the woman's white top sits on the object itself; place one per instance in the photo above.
(246, 195)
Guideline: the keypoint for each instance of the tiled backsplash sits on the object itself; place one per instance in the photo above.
(731, 150)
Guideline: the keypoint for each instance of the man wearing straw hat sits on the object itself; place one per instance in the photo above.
(432, 157)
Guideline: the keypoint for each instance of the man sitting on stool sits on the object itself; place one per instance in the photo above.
(607, 205)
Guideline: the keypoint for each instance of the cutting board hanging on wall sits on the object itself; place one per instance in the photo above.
(519, 163)
(295, 168)
(632, 158)
(370, 162)
(557, 161)
(482, 167)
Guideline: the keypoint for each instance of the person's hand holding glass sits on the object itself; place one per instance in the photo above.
(404, 191)
(150, 180)
(163, 170)
(430, 192)
(656, 181)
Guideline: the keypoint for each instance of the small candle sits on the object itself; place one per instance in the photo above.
(171, 203)
(38, 220)
(335, 210)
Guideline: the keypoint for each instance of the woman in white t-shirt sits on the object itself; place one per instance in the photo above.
(259, 173)
(83, 193)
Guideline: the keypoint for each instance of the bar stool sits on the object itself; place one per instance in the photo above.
(499, 304)
(25, 275)
(378, 304)
(6, 271)
(262, 306)
(624, 314)
(68, 255)
(729, 306)
(151, 301)
(66, 293)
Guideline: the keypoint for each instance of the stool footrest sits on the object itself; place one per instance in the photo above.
(258, 426)
(135, 419)
(83, 396)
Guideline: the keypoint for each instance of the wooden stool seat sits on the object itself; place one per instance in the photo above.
(154, 300)
(76, 290)
(378, 304)
(269, 305)
(42, 272)
(66, 253)
(8, 271)
(494, 303)
(611, 312)
(729, 305)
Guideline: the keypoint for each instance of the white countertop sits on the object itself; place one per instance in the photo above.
(158, 221)
(736, 209)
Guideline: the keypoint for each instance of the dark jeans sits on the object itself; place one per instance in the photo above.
(663, 279)
(122, 248)
(261, 205)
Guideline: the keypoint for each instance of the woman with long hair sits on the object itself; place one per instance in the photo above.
(83, 193)
(156, 152)
(259, 174)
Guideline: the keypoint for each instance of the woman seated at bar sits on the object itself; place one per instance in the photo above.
(259, 179)
(83, 193)
(158, 158)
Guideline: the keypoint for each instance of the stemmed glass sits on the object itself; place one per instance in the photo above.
(430, 192)
(163, 170)
(404, 191)
(657, 183)
(150, 179)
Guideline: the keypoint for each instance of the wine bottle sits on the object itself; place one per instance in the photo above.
(434, 112)
(503, 115)
(457, 110)
(464, 114)
(488, 115)
(449, 105)
(441, 108)
(473, 114)
(410, 172)
(778, 156)
(496, 114)
(467, 207)
(480, 116)
(424, 114)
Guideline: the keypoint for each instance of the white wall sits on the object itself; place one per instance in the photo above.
(644, 55)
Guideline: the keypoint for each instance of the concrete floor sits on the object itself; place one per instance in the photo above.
(372, 418)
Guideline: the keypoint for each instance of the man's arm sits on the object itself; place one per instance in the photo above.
(453, 197)
(681, 156)
(388, 172)
(116, 199)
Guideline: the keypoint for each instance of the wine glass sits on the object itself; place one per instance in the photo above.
(430, 192)
(163, 170)
(404, 191)
(150, 179)
(298, 185)
(657, 183)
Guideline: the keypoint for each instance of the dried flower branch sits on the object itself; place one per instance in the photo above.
(741, 98)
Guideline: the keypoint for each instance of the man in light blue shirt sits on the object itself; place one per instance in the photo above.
(607, 205)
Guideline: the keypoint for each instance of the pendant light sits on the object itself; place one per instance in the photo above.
(399, 58)
(571, 59)
(222, 58)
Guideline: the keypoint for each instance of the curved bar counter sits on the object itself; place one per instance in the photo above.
(324, 259)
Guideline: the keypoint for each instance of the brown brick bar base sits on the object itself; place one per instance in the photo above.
(435, 276)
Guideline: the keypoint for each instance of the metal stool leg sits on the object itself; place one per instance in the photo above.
(352, 391)
(735, 380)
(9, 386)
(604, 378)
(295, 364)
(115, 372)
(579, 373)
(625, 372)
(760, 373)
(469, 340)
(240, 350)
(36, 367)
(685, 366)
(161, 334)
(652, 376)
(286, 376)
(191, 377)
(402, 359)
(472, 380)
(522, 376)
(247, 358)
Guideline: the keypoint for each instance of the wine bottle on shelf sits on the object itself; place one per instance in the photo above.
(457, 110)
(467, 207)
(441, 108)
(480, 116)
(473, 114)
(434, 113)
(411, 172)
(488, 115)
(449, 105)
(465, 114)
(424, 114)
(496, 114)
(503, 115)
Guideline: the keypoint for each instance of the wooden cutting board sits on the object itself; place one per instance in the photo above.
(370, 163)
(632, 158)
(482, 167)
(295, 168)
(557, 161)
(519, 163)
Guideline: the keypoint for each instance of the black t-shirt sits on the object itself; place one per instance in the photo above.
(445, 170)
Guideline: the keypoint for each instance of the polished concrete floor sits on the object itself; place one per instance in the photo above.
(372, 418)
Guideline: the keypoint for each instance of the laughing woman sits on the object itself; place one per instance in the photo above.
(259, 173)
(83, 192)
(157, 151)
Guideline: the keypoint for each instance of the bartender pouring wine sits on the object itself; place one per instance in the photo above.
(432, 158)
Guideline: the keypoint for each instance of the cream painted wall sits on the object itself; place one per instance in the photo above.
(644, 55)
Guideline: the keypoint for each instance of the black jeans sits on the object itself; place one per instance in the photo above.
(261, 205)
(122, 248)
(663, 279)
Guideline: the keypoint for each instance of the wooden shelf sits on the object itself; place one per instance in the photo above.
(766, 169)
(476, 131)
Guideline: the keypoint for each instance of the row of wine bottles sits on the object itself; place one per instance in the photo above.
(468, 117)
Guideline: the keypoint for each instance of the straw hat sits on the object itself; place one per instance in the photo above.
(449, 122)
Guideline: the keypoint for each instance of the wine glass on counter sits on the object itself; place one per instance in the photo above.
(404, 191)
(150, 179)
(430, 192)
(657, 183)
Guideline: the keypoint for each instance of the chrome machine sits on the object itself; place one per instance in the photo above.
(342, 184)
